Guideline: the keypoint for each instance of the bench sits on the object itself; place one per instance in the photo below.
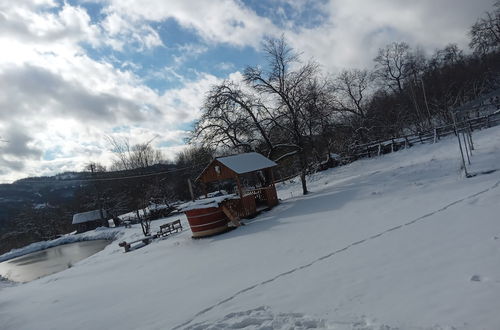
(169, 228)
(128, 246)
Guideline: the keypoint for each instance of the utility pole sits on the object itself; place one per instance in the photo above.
(190, 185)
(98, 193)
(426, 104)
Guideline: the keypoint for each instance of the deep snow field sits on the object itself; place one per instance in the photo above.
(401, 241)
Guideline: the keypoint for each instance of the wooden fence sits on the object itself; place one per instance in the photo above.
(379, 147)
(376, 148)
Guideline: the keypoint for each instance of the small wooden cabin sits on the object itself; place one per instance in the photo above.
(251, 199)
(89, 220)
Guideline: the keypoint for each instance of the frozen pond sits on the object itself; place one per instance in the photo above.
(52, 260)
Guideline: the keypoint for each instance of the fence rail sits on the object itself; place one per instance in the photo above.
(376, 148)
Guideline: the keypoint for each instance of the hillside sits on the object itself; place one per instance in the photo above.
(401, 241)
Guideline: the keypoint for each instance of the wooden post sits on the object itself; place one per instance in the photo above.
(459, 144)
(272, 176)
(466, 147)
(471, 144)
(204, 189)
(239, 186)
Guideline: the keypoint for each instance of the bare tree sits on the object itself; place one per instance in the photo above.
(230, 119)
(449, 55)
(137, 158)
(130, 157)
(285, 82)
(485, 33)
(391, 65)
(351, 88)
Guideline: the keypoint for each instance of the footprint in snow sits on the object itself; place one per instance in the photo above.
(261, 318)
(476, 278)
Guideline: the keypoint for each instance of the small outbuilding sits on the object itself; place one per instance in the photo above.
(89, 220)
(213, 214)
(237, 166)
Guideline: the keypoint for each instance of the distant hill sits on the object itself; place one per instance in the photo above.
(57, 189)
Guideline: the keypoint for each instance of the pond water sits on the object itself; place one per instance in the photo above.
(52, 260)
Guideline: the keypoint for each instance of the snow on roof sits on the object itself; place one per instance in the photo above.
(88, 216)
(249, 162)
(205, 203)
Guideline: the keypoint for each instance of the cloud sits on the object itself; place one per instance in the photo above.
(337, 33)
(69, 24)
(121, 32)
(355, 29)
(216, 21)
(189, 51)
(225, 66)
(34, 91)
(68, 102)
(16, 147)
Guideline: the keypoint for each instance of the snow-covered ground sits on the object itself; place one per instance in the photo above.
(402, 241)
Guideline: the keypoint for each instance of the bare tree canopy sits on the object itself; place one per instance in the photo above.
(276, 111)
(391, 66)
(130, 157)
(485, 33)
(351, 88)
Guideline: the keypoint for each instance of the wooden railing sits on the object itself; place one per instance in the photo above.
(266, 195)
(243, 207)
(376, 148)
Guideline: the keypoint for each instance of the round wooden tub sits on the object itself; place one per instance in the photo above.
(206, 222)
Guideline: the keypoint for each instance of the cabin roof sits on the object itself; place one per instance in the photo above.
(248, 162)
(234, 165)
(87, 216)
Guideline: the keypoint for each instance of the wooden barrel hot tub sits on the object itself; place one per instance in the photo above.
(207, 221)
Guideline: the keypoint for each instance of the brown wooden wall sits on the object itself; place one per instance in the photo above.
(210, 175)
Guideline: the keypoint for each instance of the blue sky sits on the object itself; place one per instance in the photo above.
(75, 72)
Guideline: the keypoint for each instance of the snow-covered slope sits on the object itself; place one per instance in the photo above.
(402, 241)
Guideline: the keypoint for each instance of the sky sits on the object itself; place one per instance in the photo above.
(74, 73)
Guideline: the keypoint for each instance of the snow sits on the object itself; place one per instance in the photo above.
(401, 241)
(248, 162)
(88, 216)
(206, 202)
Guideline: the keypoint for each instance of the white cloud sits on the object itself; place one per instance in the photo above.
(120, 32)
(216, 21)
(355, 29)
(57, 104)
(189, 51)
(348, 34)
(225, 66)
